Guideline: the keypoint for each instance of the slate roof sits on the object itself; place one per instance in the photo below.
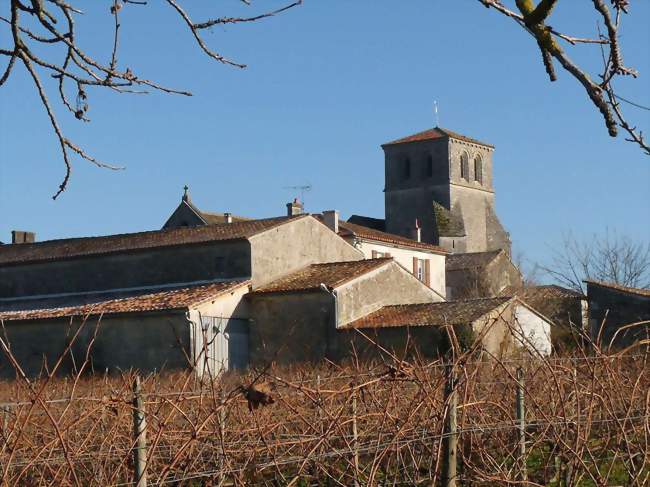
(470, 260)
(131, 302)
(617, 287)
(436, 133)
(333, 275)
(449, 224)
(368, 222)
(429, 314)
(74, 247)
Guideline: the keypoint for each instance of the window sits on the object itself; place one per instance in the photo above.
(406, 169)
(428, 168)
(464, 166)
(478, 169)
(421, 270)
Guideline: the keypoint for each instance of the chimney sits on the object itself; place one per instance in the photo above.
(227, 217)
(20, 237)
(417, 231)
(294, 208)
(331, 220)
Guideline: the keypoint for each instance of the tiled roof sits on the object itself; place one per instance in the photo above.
(73, 247)
(132, 302)
(470, 260)
(433, 314)
(368, 222)
(625, 289)
(333, 275)
(347, 229)
(539, 295)
(436, 133)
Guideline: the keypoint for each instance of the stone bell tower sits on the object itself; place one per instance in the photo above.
(444, 181)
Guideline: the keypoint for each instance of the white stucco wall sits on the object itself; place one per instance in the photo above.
(404, 257)
(532, 330)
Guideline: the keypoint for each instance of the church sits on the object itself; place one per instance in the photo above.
(211, 290)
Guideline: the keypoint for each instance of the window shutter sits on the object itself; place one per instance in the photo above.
(387, 254)
(374, 254)
(427, 272)
(415, 266)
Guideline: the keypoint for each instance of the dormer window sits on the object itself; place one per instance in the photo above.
(464, 166)
(478, 169)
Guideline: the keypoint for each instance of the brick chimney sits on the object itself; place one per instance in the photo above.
(294, 208)
(331, 220)
(21, 237)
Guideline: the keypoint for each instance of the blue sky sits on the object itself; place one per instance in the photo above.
(327, 83)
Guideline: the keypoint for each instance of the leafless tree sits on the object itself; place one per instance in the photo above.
(534, 19)
(609, 257)
(35, 24)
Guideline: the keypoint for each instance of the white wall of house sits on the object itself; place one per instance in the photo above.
(404, 257)
(219, 332)
(533, 331)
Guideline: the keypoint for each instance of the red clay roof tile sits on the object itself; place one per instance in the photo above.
(429, 314)
(333, 275)
(73, 247)
(435, 133)
(137, 301)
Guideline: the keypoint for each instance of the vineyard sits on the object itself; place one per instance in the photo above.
(562, 421)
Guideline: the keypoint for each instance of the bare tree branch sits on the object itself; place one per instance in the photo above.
(533, 18)
(52, 22)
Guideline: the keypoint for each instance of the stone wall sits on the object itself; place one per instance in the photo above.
(611, 309)
(143, 341)
(294, 245)
(183, 263)
(390, 284)
(287, 328)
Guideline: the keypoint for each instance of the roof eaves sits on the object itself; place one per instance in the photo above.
(235, 285)
(618, 287)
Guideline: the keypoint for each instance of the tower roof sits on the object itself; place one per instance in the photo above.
(436, 133)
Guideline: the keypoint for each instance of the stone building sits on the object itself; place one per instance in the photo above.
(45, 285)
(500, 326)
(618, 316)
(443, 180)
(299, 317)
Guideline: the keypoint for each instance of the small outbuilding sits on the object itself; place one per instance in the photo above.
(297, 318)
(202, 327)
(618, 315)
(502, 326)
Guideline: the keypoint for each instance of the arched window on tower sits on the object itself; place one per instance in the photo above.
(464, 166)
(478, 169)
(428, 168)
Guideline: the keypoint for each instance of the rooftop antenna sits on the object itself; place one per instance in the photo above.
(435, 112)
(305, 188)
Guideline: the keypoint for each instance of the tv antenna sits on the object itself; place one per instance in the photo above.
(435, 112)
(305, 188)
